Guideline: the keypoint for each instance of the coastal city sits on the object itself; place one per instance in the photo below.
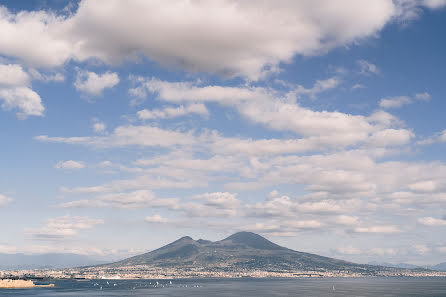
(153, 272)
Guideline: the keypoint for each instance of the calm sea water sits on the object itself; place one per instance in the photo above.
(243, 287)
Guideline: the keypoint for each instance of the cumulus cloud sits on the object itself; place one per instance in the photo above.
(265, 34)
(70, 164)
(172, 112)
(16, 93)
(277, 111)
(13, 75)
(94, 84)
(63, 227)
(4, 200)
(391, 137)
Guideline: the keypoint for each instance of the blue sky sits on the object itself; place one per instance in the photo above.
(320, 127)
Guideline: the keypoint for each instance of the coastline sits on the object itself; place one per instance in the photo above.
(145, 272)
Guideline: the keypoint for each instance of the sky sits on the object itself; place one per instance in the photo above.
(317, 124)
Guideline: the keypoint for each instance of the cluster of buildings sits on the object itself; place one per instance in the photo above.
(155, 272)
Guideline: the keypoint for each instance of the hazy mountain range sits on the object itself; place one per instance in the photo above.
(43, 261)
(438, 267)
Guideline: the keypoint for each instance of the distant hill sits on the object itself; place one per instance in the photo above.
(43, 261)
(243, 250)
(438, 267)
(399, 265)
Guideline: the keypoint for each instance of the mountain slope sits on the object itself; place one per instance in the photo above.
(243, 250)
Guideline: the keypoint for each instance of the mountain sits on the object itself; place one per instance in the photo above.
(398, 265)
(243, 250)
(43, 261)
(439, 267)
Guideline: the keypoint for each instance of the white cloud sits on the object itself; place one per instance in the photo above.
(252, 39)
(391, 137)
(129, 136)
(70, 164)
(423, 96)
(358, 86)
(99, 127)
(63, 227)
(23, 31)
(94, 84)
(426, 186)
(318, 87)
(172, 112)
(273, 194)
(431, 222)
(347, 220)
(349, 250)
(45, 77)
(422, 249)
(127, 200)
(434, 4)
(394, 102)
(378, 229)
(283, 227)
(157, 219)
(279, 112)
(222, 200)
(15, 92)
(13, 75)
(367, 67)
(437, 138)
(382, 251)
(399, 101)
(4, 200)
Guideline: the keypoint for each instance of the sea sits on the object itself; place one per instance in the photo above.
(244, 287)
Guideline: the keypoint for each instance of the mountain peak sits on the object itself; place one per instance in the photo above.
(252, 240)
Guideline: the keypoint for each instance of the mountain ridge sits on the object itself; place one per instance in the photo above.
(242, 250)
